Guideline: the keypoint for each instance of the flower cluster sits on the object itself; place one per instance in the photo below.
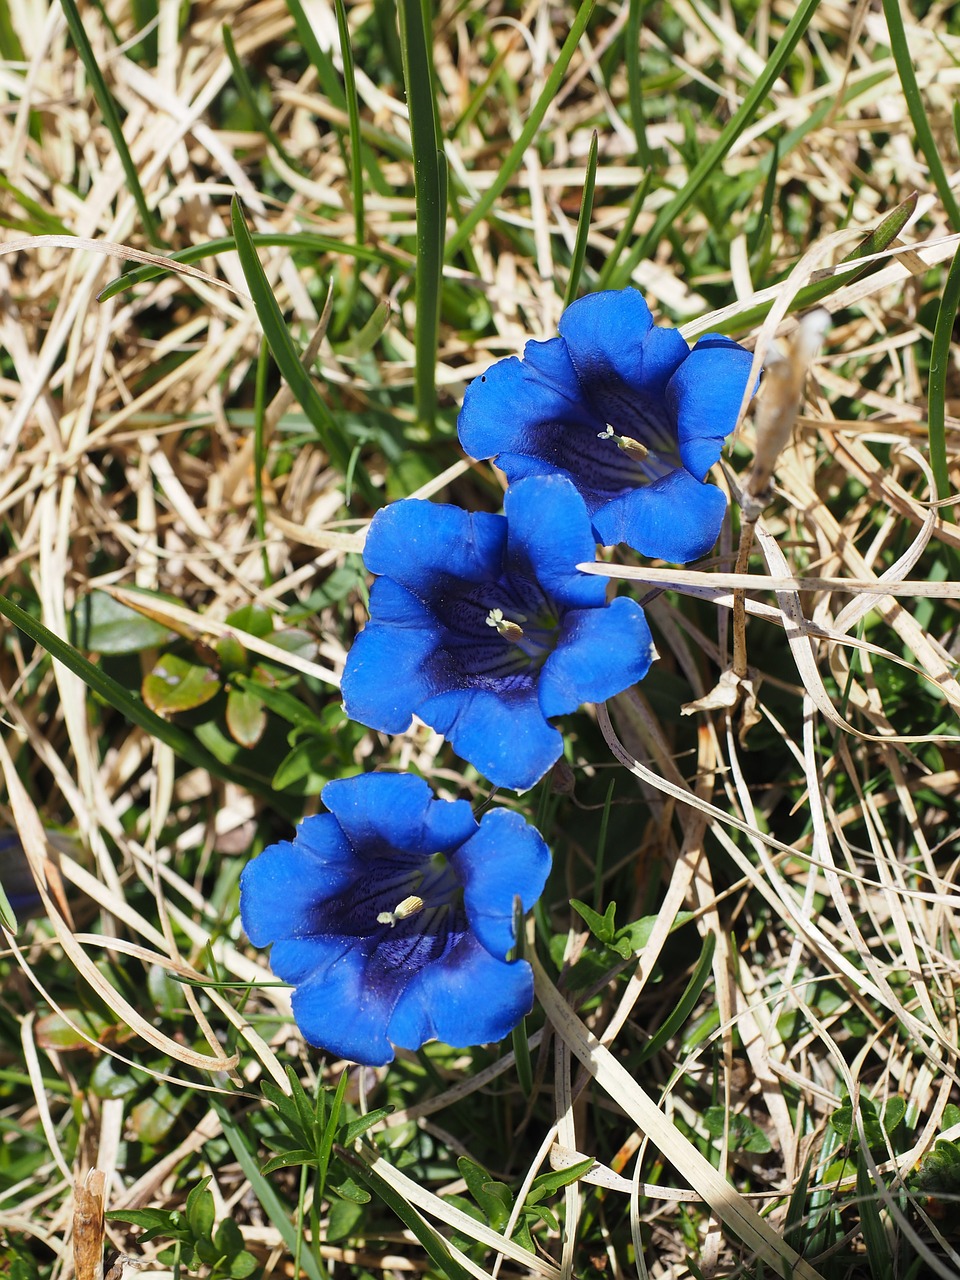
(393, 913)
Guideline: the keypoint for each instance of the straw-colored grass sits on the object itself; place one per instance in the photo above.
(804, 814)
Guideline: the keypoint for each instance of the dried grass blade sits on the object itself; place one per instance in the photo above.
(724, 1200)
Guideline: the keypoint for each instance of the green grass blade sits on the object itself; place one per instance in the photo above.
(248, 94)
(921, 125)
(937, 385)
(434, 1245)
(514, 157)
(715, 153)
(635, 82)
(110, 115)
(306, 240)
(676, 1019)
(122, 700)
(583, 222)
(259, 458)
(430, 193)
(284, 352)
(276, 1211)
(355, 168)
(322, 62)
(877, 240)
(626, 231)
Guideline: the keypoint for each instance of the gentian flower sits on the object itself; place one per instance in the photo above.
(483, 627)
(393, 914)
(627, 411)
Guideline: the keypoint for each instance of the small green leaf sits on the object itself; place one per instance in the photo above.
(350, 1132)
(289, 1159)
(103, 625)
(345, 1218)
(601, 927)
(151, 1120)
(176, 684)
(253, 619)
(548, 1183)
(304, 770)
(246, 717)
(200, 1210)
(743, 1133)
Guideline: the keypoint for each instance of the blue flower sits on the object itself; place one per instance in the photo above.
(627, 411)
(483, 627)
(392, 915)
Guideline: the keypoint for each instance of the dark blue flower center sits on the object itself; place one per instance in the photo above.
(498, 634)
(401, 915)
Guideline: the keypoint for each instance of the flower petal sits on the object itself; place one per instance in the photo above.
(280, 888)
(387, 813)
(704, 396)
(549, 535)
(624, 362)
(340, 1012)
(506, 858)
(519, 406)
(467, 998)
(600, 653)
(417, 543)
(503, 734)
(395, 663)
(676, 518)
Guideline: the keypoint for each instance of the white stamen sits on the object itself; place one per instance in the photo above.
(410, 906)
(627, 443)
(509, 630)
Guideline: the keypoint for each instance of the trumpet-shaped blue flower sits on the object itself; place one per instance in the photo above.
(392, 915)
(483, 627)
(625, 409)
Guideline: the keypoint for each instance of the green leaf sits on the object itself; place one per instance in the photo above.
(675, 1020)
(151, 1120)
(285, 353)
(276, 1212)
(345, 1219)
(744, 1134)
(583, 223)
(548, 1183)
(305, 770)
(534, 118)
(110, 116)
(494, 1198)
(356, 1128)
(149, 1219)
(253, 619)
(287, 1161)
(176, 684)
(101, 624)
(246, 717)
(430, 194)
(601, 926)
(242, 1265)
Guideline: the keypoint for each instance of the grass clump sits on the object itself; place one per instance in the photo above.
(245, 282)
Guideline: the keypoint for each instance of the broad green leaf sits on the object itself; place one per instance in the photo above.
(744, 1134)
(176, 684)
(253, 619)
(104, 625)
(200, 1210)
(246, 717)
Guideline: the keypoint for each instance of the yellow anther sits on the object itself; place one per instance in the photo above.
(509, 630)
(410, 906)
(627, 443)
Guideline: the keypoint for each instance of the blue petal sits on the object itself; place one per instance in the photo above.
(549, 530)
(280, 888)
(394, 812)
(395, 662)
(467, 998)
(704, 396)
(676, 518)
(337, 1010)
(506, 858)
(600, 653)
(624, 362)
(504, 735)
(417, 543)
(520, 406)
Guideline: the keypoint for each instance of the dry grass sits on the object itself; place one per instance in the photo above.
(817, 848)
